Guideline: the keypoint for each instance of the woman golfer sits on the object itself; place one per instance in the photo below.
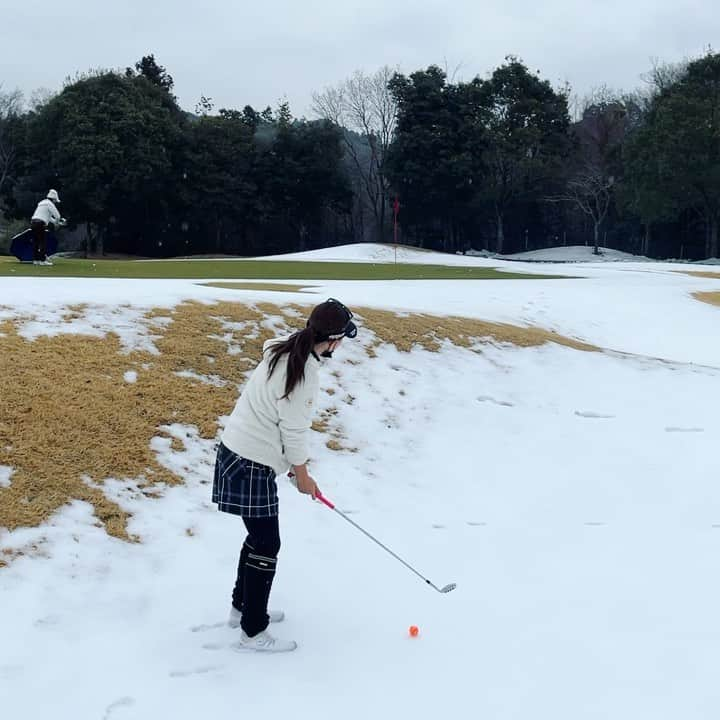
(266, 436)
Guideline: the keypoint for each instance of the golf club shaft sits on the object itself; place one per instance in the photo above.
(327, 502)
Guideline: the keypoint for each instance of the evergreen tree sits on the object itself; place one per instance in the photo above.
(110, 143)
(674, 160)
(527, 138)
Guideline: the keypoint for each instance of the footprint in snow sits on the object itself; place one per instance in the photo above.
(487, 398)
(47, 621)
(122, 702)
(10, 671)
(210, 626)
(593, 415)
(214, 646)
(202, 670)
(684, 429)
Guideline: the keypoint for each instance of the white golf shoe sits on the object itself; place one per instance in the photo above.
(264, 642)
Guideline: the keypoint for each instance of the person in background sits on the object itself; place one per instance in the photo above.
(46, 216)
(265, 436)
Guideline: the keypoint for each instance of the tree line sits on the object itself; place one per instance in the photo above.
(505, 163)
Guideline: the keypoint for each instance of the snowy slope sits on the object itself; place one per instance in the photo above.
(379, 253)
(572, 496)
(386, 253)
(575, 253)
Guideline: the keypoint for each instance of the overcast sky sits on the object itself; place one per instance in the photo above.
(257, 53)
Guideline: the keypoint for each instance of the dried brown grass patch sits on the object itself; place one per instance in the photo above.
(337, 445)
(7, 555)
(430, 331)
(700, 273)
(322, 423)
(69, 420)
(73, 312)
(336, 437)
(712, 298)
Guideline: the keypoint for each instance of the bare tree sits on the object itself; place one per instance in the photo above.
(452, 74)
(599, 97)
(599, 135)
(659, 78)
(663, 75)
(590, 189)
(39, 97)
(575, 105)
(363, 105)
(10, 107)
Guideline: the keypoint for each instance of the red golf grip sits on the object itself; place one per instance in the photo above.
(324, 500)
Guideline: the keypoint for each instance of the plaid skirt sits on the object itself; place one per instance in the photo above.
(243, 487)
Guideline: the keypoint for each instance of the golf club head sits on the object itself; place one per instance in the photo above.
(448, 588)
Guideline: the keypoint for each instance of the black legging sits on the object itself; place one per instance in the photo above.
(256, 570)
(38, 228)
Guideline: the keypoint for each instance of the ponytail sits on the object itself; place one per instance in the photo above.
(298, 348)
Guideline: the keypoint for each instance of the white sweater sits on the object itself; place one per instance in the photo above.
(47, 212)
(266, 427)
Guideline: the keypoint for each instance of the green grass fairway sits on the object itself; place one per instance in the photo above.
(252, 269)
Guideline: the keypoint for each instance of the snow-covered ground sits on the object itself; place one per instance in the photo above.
(576, 253)
(379, 253)
(572, 496)
(376, 253)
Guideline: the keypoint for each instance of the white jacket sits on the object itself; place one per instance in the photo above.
(267, 428)
(48, 213)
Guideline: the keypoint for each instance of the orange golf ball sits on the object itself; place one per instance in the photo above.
(413, 630)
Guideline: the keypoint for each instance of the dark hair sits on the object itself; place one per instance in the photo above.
(329, 320)
(298, 348)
